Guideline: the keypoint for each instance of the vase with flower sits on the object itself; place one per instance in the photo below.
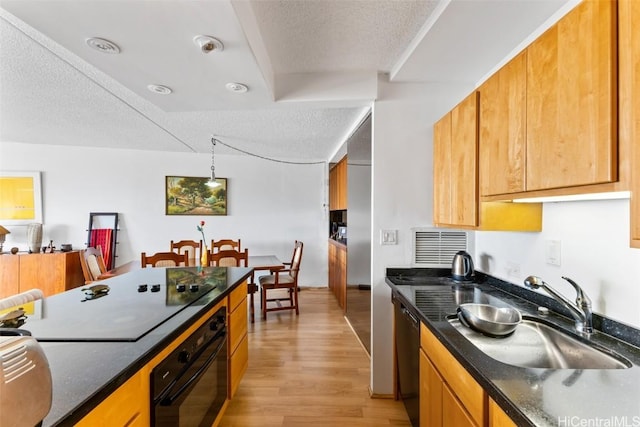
(204, 256)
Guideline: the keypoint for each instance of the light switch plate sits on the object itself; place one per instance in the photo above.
(552, 252)
(388, 237)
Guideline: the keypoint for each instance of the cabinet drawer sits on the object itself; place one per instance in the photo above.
(468, 391)
(238, 296)
(238, 363)
(237, 326)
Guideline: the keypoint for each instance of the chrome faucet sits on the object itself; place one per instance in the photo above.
(581, 310)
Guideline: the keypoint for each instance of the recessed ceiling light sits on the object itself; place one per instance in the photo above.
(208, 44)
(236, 87)
(102, 45)
(160, 89)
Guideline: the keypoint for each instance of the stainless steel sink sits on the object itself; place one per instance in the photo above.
(536, 344)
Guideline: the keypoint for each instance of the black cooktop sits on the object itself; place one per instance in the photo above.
(134, 304)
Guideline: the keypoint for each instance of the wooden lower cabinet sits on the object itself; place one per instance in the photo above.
(127, 406)
(238, 339)
(453, 411)
(431, 385)
(449, 396)
(497, 417)
(338, 272)
(51, 273)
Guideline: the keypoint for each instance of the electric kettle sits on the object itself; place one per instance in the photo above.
(462, 267)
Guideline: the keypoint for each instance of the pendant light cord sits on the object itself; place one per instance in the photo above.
(269, 158)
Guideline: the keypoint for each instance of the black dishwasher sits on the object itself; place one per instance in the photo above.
(407, 347)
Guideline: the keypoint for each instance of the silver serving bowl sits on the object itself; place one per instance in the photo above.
(489, 319)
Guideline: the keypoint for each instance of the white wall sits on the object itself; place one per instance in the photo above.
(269, 204)
(402, 192)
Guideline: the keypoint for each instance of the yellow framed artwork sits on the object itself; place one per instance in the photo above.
(20, 198)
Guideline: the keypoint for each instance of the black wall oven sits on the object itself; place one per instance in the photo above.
(189, 387)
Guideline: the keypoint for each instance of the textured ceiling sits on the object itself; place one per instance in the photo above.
(301, 36)
(310, 66)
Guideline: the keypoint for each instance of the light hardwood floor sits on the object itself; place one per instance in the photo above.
(308, 370)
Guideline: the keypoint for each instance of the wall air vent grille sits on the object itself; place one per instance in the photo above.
(434, 248)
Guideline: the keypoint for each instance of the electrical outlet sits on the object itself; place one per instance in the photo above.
(388, 237)
(552, 252)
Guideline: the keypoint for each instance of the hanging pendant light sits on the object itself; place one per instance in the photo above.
(212, 181)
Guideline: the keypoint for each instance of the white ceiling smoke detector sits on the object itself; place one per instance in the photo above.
(160, 89)
(102, 45)
(208, 44)
(236, 87)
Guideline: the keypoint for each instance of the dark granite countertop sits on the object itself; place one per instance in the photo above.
(530, 396)
(85, 373)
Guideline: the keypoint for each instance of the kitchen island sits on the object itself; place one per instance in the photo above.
(85, 370)
(527, 396)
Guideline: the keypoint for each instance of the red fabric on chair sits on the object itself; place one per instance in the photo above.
(102, 237)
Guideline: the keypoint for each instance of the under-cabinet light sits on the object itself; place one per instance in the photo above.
(577, 197)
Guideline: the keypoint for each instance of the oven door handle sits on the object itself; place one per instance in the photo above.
(166, 400)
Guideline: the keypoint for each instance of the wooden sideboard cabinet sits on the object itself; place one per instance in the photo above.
(51, 273)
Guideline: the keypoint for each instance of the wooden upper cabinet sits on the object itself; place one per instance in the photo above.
(571, 100)
(338, 185)
(455, 179)
(502, 145)
(455, 166)
(629, 87)
(442, 170)
(464, 162)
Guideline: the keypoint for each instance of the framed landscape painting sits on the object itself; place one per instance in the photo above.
(187, 195)
(20, 198)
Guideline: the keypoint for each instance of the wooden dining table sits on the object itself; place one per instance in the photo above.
(260, 263)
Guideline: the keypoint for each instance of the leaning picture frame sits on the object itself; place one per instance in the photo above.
(188, 195)
(20, 197)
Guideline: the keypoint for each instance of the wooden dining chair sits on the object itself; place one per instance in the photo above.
(191, 247)
(282, 279)
(93, 265)
(217, 245)
(165, 259)
(229, 258)
(226, 244)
